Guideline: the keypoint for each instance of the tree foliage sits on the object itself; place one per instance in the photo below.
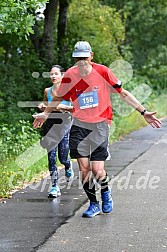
(146, 36)
(17, 16)
(115, 29)
(146, 31)
(100, 25)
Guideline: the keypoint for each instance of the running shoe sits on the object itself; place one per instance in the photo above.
(54, 192)
(93, 210)
(107, 202)
(69, 174)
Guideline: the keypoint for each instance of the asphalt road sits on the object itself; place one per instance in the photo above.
(32, 222)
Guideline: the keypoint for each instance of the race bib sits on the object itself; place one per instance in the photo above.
(88, 100)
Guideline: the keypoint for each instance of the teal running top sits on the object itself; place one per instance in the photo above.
(66, 103)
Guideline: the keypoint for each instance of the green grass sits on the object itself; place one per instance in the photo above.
(125, 125)
(13, 177)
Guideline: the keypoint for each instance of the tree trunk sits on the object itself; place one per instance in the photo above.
(47, 45)
(62, 24)
(35, 38)
(44, 46)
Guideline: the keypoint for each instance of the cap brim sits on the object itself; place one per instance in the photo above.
(81, 54)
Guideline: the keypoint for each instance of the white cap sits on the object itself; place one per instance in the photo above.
(82, 49)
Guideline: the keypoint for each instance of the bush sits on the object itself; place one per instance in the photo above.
(14, 139)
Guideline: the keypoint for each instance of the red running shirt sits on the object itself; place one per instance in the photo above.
(90, 94)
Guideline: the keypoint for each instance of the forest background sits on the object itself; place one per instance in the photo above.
(34, 35)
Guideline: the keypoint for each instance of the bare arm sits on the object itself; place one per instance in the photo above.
(44, 104)
(134, 103)
(53, 104)
(64, 108)
(131, 100)
(60, 107)
(42, 117)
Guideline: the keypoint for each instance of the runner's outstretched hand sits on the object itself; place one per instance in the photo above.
(152, 120)
(39, 119)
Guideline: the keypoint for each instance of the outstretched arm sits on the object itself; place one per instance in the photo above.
(42, 117)
(133, 102)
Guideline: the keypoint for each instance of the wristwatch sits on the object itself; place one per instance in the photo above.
(143, 111)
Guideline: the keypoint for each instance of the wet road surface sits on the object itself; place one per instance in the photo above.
(30, 218)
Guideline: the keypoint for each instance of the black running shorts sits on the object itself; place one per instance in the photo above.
(89, 140)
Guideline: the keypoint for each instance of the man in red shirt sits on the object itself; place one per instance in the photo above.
(89, 85)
